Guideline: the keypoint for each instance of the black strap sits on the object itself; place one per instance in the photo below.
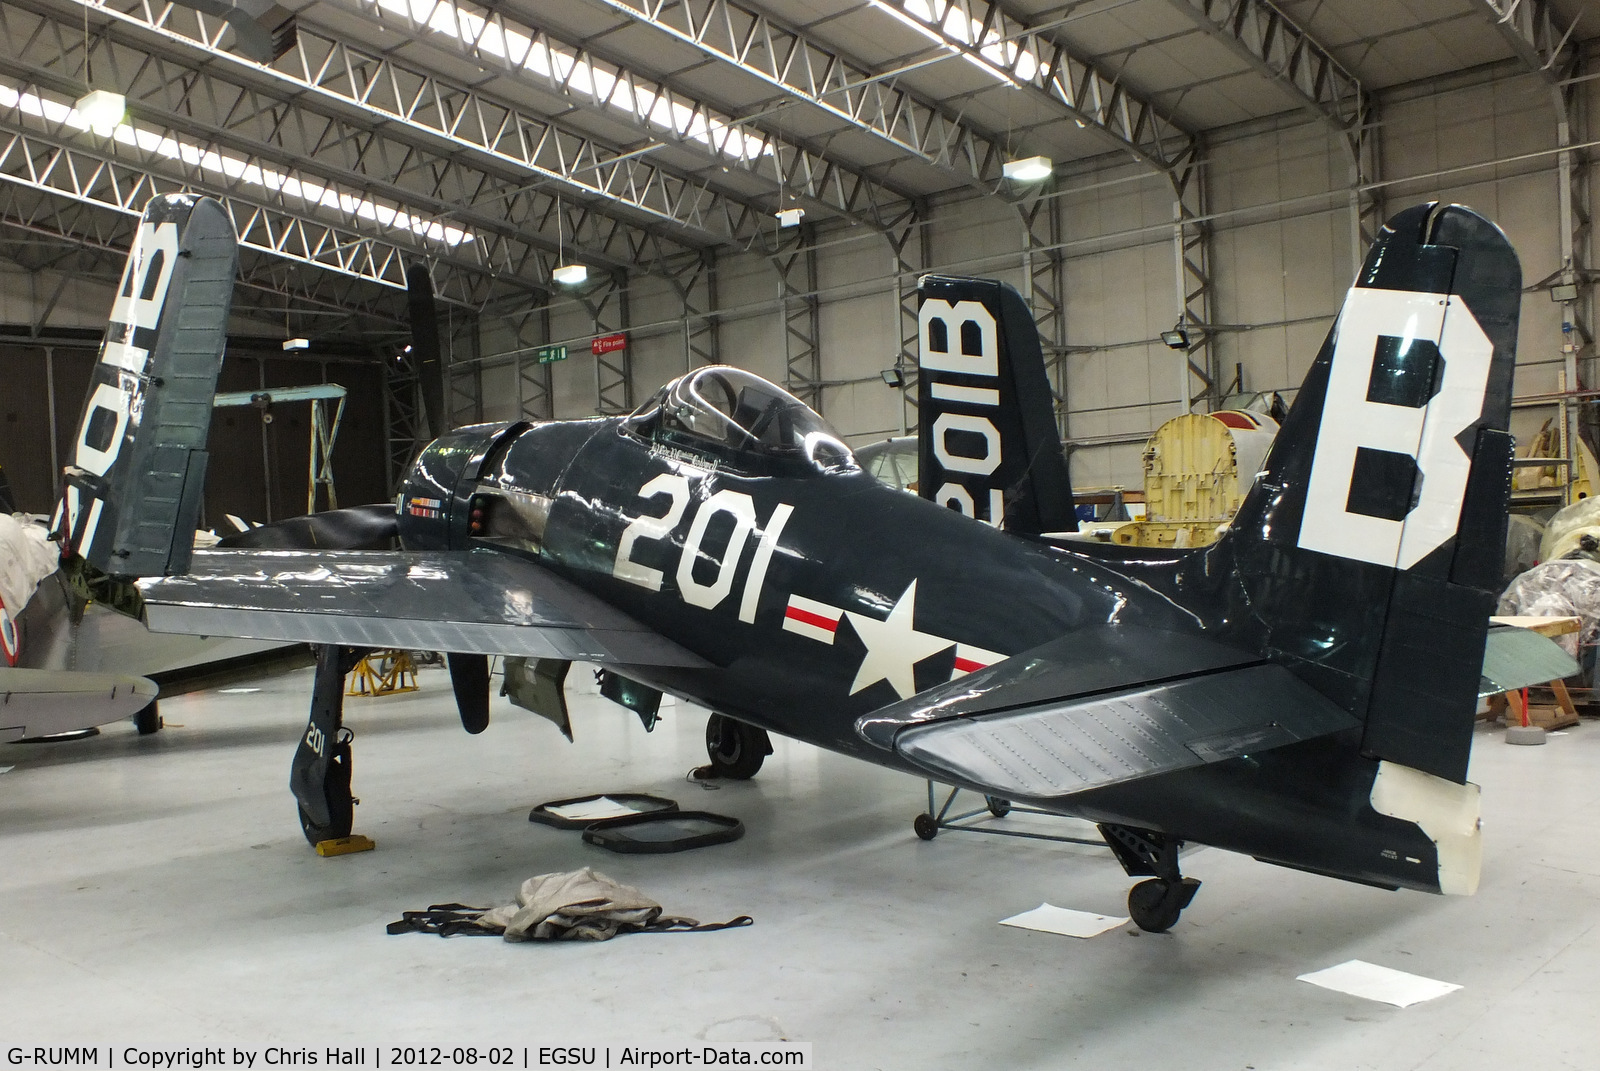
(457, 920)
(446, 920)
(679, 924)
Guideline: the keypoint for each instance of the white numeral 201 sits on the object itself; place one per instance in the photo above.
(735, 504)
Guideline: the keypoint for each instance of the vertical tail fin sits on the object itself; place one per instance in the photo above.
(988, 444)
(1369, 547)
(131, 493)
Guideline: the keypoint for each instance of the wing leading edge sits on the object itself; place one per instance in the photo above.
(1065, 718)
(463, 602)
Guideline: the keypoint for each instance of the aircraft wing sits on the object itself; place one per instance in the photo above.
(40, 702)
(1100, 707)
(1515, 657)
(465, 602)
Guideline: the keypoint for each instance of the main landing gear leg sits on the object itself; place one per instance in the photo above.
(1155, 904)
(320, 775)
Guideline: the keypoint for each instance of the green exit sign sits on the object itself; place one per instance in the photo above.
(546, 354)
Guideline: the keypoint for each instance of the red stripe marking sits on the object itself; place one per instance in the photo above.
(806, 617)
(1236, 420)
(967, 665)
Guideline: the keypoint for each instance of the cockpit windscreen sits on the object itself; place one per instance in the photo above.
(729, 413)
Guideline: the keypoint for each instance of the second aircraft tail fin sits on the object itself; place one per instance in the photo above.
(988, 445)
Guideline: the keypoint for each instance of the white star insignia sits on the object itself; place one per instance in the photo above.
(894, 646)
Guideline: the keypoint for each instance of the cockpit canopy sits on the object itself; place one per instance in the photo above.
(734, 417)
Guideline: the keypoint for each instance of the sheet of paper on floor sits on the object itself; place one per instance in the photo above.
(1063, 920)
(592, 810)
(1361, 979)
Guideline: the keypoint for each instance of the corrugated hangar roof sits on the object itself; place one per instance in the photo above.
(496, 138)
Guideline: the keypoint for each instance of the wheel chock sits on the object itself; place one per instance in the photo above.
(345, 845)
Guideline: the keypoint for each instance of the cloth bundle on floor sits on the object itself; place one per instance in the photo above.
(577, 905)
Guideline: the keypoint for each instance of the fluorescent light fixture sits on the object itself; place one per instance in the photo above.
(1177, 338)
(102, 111)
(789, 217)
(1028, 169)
(296, 344)
(496, 35)
(1564, 292)
(996, 56)
(238, 169)
(571, 274)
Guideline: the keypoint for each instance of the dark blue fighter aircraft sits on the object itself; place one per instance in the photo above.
(1302, 690)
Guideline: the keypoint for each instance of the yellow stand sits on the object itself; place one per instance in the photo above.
(383, 673)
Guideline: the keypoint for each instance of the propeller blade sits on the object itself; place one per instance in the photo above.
(425, 348)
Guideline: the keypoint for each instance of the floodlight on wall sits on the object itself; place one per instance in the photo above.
(1564, 292)
(571, 274)
(1177, 338)
(789, 217)
(296, 344)
(1028, 169)
(893, 377)
(102, 111)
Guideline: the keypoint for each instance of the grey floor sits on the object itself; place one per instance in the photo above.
(157, 891)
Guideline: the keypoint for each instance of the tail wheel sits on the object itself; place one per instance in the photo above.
(1156, 904)
(148, 720)
(336, 787)
(736, 750)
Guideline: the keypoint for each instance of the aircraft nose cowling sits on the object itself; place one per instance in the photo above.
(434, 504)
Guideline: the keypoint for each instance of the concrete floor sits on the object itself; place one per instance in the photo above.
(157, 891)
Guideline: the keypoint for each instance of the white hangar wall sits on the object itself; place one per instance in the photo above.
(1280, 253)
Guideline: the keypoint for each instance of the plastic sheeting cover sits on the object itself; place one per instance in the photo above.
(26, 557)
(1564, 588)
(1585, 513)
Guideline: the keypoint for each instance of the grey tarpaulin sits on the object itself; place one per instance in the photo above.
(577, 905)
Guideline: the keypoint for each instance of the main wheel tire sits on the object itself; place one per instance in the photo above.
(925, 826)
(736, 750)
(336, 789)
(148, 720)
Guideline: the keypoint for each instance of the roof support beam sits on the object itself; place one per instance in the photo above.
(458, 118)
(806, 72)
(163, 84)
(795, 261)
(1531, 29)
(1035, 60)
(1045, 276)
(46, 155)
(799, 173)
(1271, 42)
(909, 261)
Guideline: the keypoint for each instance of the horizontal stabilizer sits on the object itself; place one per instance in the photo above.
(40, 702)
(1007, 735)
(1089, 662)
(464, 602)
(1517, 658)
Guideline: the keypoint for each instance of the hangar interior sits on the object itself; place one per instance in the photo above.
(759, 183)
